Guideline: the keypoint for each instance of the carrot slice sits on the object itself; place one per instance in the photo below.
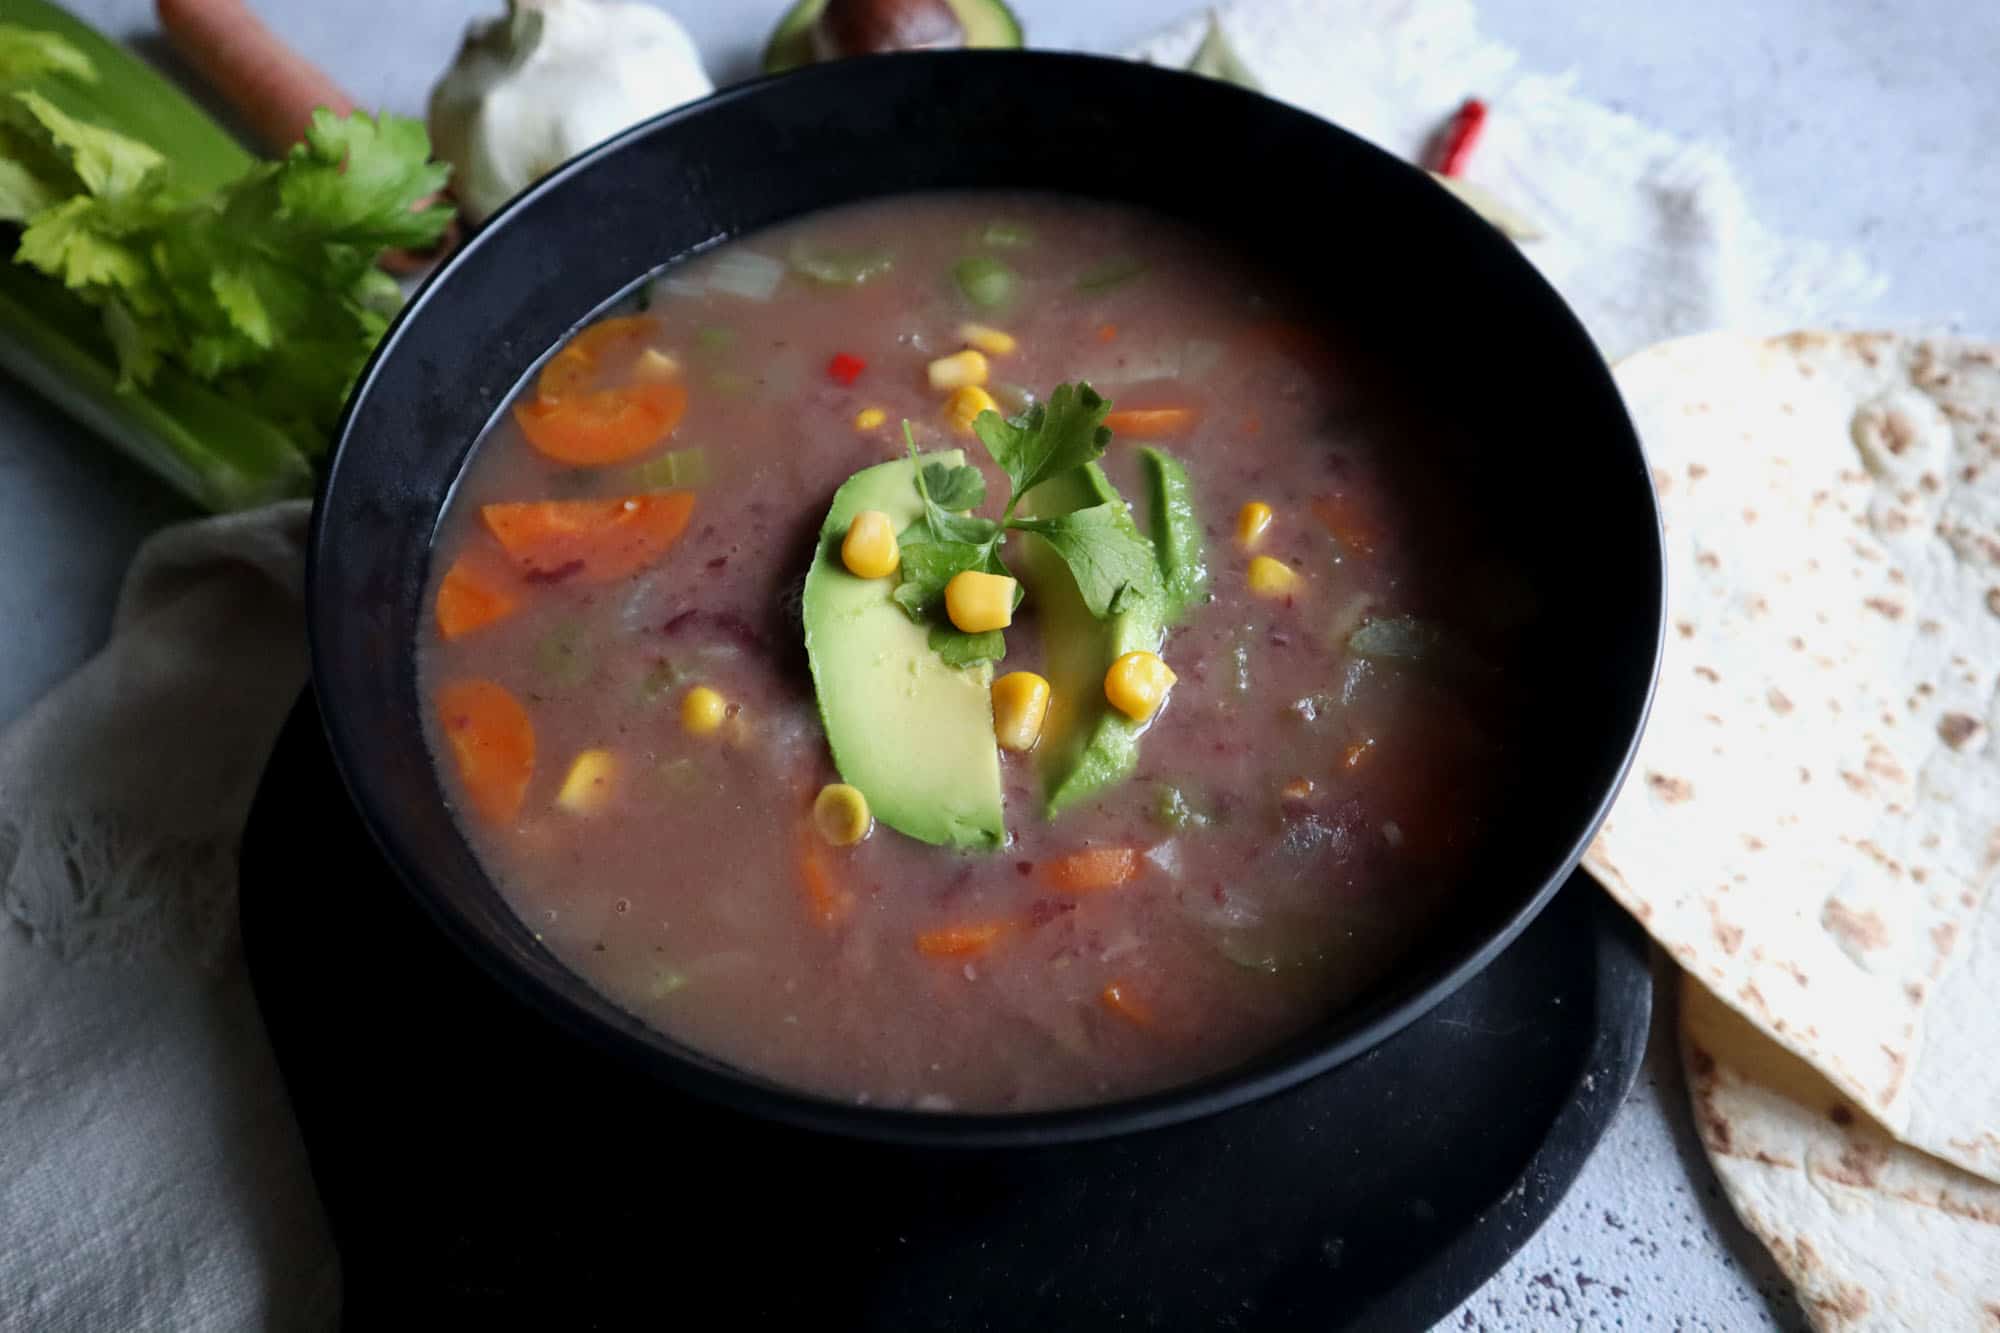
(493, 742)
(1092, 869)
(593, 540)
(572, 369)
(603, 426)
(1151, 423)
(472, 596)
(826, 901)
(960, 941)
(1119, 999)
(1352, 525)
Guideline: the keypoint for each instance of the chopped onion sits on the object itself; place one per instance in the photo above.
(676, 284)
(745, 273)
(1167, 856)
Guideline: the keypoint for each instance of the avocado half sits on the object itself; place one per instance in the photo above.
(914, 735)
(987, 23)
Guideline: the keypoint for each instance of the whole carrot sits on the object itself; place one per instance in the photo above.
(272, 87)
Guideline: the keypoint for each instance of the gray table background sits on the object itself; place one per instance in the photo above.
(1867, 123)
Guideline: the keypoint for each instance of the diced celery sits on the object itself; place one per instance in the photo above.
(565, 655)
(986, 282)
(666, 982)
(841, 268)
(1111, 273)
(1004, 235)
(673, 470)
(716, 338)
(661, 679)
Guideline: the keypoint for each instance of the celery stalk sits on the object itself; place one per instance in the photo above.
(215, 451)
(133, 98)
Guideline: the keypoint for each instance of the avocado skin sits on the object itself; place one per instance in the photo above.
(987, 23)
(914, 735)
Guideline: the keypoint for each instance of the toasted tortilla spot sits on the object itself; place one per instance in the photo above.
(1958, 730)
(1860, 930)
(1670, 789)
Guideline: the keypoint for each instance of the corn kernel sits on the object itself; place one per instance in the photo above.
(964, 406)
(1251, 520)
(869, 550)
(1020, 706)
(992, 341)
(1272, 578)
(1137, 684)
(868, 418)
(587, 787)
(702, 711)
(958, 370)
(654, 364)
(978, 602)
(840, 813)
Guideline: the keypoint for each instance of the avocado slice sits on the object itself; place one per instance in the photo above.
(1087, 745)
(987, 23)
(914, 735)
(1178, 544)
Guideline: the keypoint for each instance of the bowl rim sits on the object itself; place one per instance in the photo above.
(710, 1078)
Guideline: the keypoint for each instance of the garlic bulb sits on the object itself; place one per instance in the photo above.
(533, 89)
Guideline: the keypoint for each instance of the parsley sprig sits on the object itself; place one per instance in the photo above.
(1109, 559)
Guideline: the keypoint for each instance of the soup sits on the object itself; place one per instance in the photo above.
(710, 686)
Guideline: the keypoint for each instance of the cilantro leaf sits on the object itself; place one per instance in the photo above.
(941, 523)
(961, 487)
(960, 649)
(927, 567)
(1048, 439)
(1106, 556)
(356, 181)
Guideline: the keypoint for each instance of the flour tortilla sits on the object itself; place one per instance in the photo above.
(1813, 824)
(1873, 1234)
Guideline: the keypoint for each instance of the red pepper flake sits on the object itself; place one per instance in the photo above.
(1107, 333)
(1460, 137)
(845, 369)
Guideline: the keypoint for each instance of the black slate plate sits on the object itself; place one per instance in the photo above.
(482, 1170)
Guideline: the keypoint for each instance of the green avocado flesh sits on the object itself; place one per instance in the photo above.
(1178, 544)
(987, 23)
(1087, 745)
(914, 735)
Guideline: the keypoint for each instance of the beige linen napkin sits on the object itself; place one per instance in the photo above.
(151, 1174)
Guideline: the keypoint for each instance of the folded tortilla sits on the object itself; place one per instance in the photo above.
(1813, 824)
(1873, 1234)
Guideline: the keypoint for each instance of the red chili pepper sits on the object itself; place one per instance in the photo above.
(845, 369)
(1460, 136)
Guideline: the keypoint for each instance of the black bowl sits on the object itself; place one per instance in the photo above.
(1441, 296)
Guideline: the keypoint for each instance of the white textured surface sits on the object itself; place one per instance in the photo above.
(1857, 122)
